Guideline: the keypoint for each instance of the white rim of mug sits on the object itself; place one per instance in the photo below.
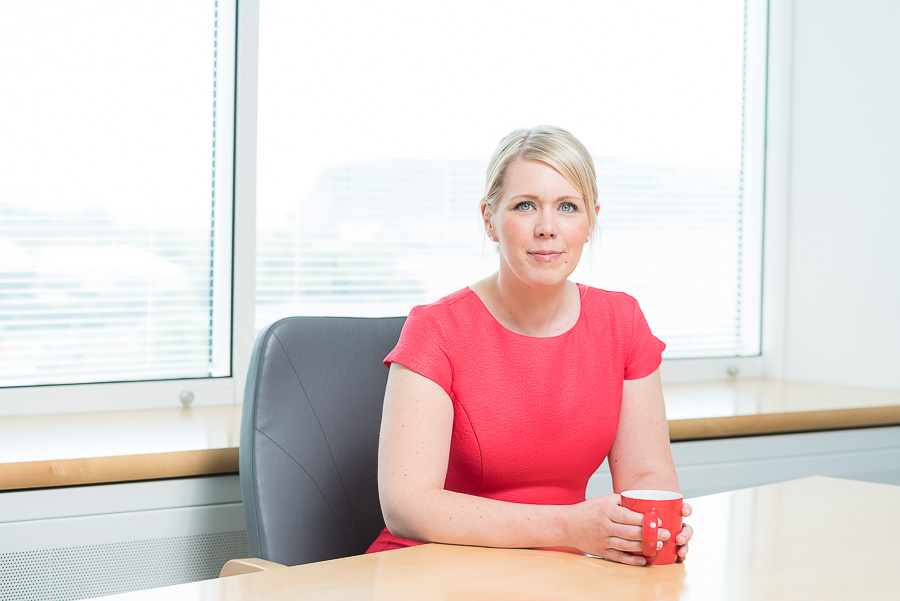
(652, 495)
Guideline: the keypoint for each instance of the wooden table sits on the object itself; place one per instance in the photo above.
(815, 538)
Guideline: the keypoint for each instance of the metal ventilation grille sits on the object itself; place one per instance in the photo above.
(95, 570)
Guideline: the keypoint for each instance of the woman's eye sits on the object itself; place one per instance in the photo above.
(525, 205)
(569, 207)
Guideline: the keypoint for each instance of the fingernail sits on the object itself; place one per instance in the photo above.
(658, 545)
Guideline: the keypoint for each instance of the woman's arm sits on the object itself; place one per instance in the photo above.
(412, 467)
(641, 456)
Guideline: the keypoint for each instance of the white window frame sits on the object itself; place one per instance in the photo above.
(159, 394)
(758, 163)
(772, 30)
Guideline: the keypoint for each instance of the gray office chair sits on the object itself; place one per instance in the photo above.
(309, 437)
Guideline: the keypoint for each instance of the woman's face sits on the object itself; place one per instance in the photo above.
(541, 224)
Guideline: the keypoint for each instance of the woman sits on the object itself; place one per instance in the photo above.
(505, 397)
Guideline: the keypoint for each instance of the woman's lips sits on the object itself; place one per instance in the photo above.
(545, 255)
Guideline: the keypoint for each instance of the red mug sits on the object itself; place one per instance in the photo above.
(657, 506)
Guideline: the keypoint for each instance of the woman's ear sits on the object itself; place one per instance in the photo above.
(486, 218)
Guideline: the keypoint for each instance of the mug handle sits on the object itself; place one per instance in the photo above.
(649, 531)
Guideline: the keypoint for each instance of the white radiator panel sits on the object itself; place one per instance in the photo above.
(17, 506)
(95, 570)
(53, 553)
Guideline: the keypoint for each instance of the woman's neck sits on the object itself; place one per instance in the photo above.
(538, 312)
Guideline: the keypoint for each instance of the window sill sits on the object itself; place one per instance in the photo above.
(698, 411)
(124, 446)
(118, 446)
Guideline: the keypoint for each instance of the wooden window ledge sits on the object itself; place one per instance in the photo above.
(124, 446)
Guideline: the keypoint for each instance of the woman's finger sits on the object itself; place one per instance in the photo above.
(623, 515)
(632, 533)
(685, 535)
(629, 546)
(682, 552)
(622, 557)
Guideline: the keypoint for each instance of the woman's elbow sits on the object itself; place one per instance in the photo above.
(399, 524)
(400, 517)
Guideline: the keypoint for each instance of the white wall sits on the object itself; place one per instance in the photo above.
(841, 309)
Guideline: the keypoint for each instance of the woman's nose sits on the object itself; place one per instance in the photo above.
(546, 226)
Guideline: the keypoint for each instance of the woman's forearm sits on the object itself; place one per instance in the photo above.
(599, 526)
(449, 517)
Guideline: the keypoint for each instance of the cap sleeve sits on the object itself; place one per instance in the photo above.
(645, 350)
(423, 347)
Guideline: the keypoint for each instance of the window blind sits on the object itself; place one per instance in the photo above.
(674, 237)
(115, 195)
(372, 153)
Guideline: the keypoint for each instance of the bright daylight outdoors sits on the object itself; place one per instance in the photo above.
(375, 123)
(375, 131)
(115, 190)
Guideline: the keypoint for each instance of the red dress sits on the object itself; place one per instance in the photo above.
(533, 418)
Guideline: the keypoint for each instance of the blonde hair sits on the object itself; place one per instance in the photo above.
(551, 145)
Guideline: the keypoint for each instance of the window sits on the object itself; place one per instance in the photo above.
(115, 190)
(363, 135)
(376, 121)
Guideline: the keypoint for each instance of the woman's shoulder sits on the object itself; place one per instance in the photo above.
(612, 299)
(443, 310)
(461, 296)
(616, 313)
(452, 302)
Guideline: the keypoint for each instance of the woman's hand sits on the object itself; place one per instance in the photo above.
(604, 528)
(686, 533)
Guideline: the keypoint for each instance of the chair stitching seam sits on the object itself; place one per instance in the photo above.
(327, 446)
(313, 480)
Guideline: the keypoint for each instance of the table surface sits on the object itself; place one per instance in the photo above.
(815, 538)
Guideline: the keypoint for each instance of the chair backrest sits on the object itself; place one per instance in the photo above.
(309, 437)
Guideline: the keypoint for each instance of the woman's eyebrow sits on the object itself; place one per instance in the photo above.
(536, 197)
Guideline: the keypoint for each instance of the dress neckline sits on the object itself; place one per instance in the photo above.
(582, 292)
